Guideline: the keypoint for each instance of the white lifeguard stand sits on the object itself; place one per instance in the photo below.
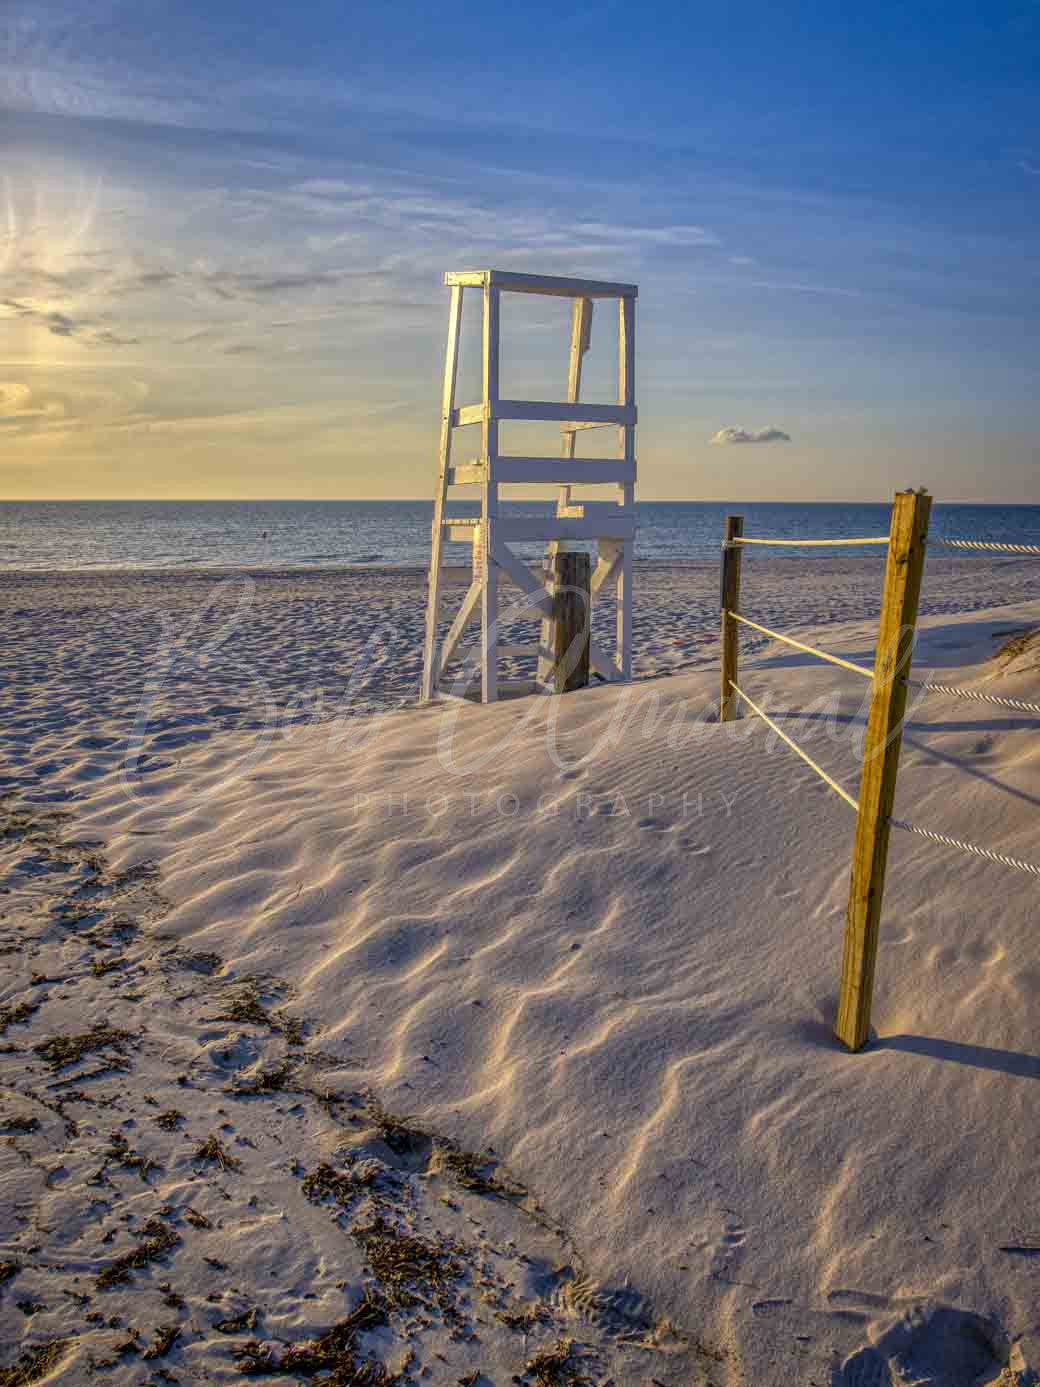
(610, 524)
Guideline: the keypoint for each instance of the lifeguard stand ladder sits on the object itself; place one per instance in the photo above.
(611, 524)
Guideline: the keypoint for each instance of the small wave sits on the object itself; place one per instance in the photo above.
(368, 558)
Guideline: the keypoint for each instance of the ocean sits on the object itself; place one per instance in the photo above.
(71, 535)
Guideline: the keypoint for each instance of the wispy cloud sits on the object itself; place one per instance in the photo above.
(62, 325)
(731, 434)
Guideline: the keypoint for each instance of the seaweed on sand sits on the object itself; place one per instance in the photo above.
(158, 1241)
(524, 1319)
(398, 1133)
(1020, 641)
(344, 1187)
(267, 1081)
(39, 1362)
(472, 1171)
(235, 1324)
(406, 1266)
(333, 1354)
(212, 1152)
(555, 1367)
(20, 1124)
(16, 1015)
(165, 1338)
(247, 1007)
(62, 1050)
(120, 1152)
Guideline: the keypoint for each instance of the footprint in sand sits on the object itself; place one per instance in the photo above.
(865, 1368)
(728, 1248)
(694, 849)
(930, 1346)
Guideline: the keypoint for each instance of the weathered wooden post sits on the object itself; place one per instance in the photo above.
(896, 635)
(730, 599)
(570, 583)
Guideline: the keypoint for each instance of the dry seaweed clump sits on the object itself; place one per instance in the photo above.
(35, 1365)
(8, 1271)
(274, 1080)
(473, 1172)
(62, 1050)
(20, 1124)
(344, 1187)
(1019, 643)
(524, 1319)
(158, 1241)
(247, 1008)
(165, 1338)
(16, 1015)
(405, 1265)
(120, 1152)
(556, 1367)
(397, 1132)
(333, 1354)
(211, 1152)
(169, 1120)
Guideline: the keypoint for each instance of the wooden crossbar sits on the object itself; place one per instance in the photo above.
(556, 285)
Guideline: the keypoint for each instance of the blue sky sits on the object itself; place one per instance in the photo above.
(223, 229)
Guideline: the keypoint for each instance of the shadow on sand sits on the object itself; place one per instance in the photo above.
(1013, 1062)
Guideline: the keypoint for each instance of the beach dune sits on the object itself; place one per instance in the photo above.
(594, 940)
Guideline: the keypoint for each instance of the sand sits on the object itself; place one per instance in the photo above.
(530, 1003)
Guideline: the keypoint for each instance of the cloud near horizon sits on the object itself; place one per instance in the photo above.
(766, 435)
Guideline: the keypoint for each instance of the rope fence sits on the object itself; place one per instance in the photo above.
(812, 543)
(973, 848)
(810, 649)
(979, 544)
(987, 544)
(849, 799)
(907, 541)
(951, 691)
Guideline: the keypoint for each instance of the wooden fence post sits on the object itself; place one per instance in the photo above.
(571, 577)
(881, 747)
(730, 599)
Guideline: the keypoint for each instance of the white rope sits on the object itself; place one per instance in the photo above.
(955, 692)
(801, 543)
(986, 544)
(967, 847)
(795, 747)
(811, 649)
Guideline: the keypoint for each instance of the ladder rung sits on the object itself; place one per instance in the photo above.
(619, 526)
(571, 413)
(593, 510)
(548, 411)
(566, 471)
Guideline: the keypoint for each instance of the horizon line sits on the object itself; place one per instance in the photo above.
(397, 500)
